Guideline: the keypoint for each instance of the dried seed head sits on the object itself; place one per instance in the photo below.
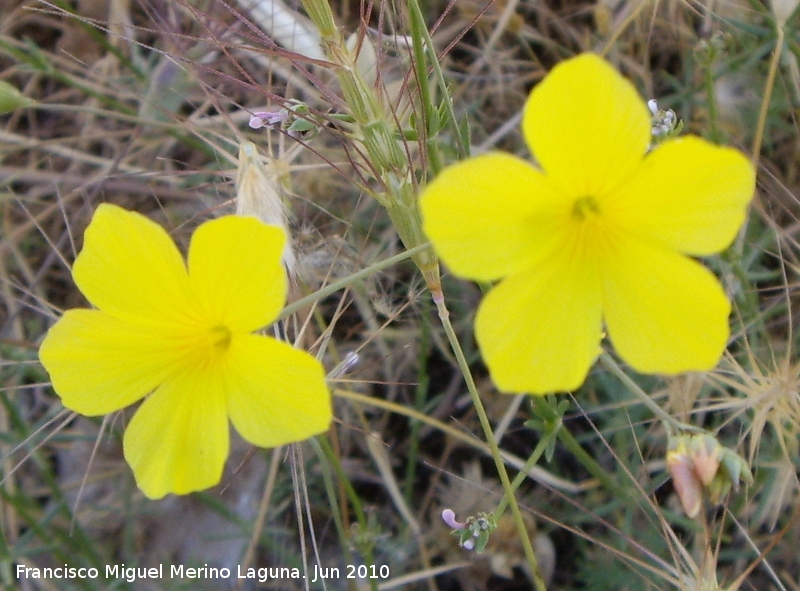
(365, 58)
(259, 193)
(783, 9)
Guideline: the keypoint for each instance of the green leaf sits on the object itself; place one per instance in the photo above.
(12, 99)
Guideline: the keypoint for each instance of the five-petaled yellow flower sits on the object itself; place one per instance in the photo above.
(600, 232)
(187, 337)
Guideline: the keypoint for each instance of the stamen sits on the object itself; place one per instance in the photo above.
(585, 207)
(220, 337)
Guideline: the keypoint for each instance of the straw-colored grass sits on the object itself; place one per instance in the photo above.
(145, 104)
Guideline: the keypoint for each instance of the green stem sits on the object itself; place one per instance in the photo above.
(746, 298)
(429, 111)
(530, 463)
(420, 396)
(444, 315)
(758, 139)
(712, 104)
(572, 445)
(375, 130)
(461, 148)
(325, 459)
(670, 422)
(323, 446)
(762, 115)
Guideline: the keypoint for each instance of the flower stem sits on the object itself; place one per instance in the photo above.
(361, 539)
(588, 462)
(762, 115)
(670, 422)
(444, 315)
(418, 28)
(530, 463)
(711, 99)
(375, 130)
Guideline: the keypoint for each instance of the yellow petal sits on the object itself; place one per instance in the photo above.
(236, 272)
(689, 194)
(131, 268)
(665, 313)
(539, 331)
(587, 126)
(177, 442)
(100, 364)
(277, 394)
(491, 215)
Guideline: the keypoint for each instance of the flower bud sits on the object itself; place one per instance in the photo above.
(698, 462)
(684, 479)
(705, 451)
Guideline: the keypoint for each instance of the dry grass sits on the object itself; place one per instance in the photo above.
(144, 104)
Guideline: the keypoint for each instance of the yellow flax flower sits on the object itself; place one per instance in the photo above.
(600, 232)
(187, 337)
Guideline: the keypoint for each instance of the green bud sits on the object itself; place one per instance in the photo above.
(736, 468)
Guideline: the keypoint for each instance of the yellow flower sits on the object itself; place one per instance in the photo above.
(601, 232)
(187, 337)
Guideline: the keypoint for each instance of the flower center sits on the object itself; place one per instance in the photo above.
(585, 207)
(219, 338)
(208, 345)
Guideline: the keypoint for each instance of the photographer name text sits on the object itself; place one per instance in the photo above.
(174, 571)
